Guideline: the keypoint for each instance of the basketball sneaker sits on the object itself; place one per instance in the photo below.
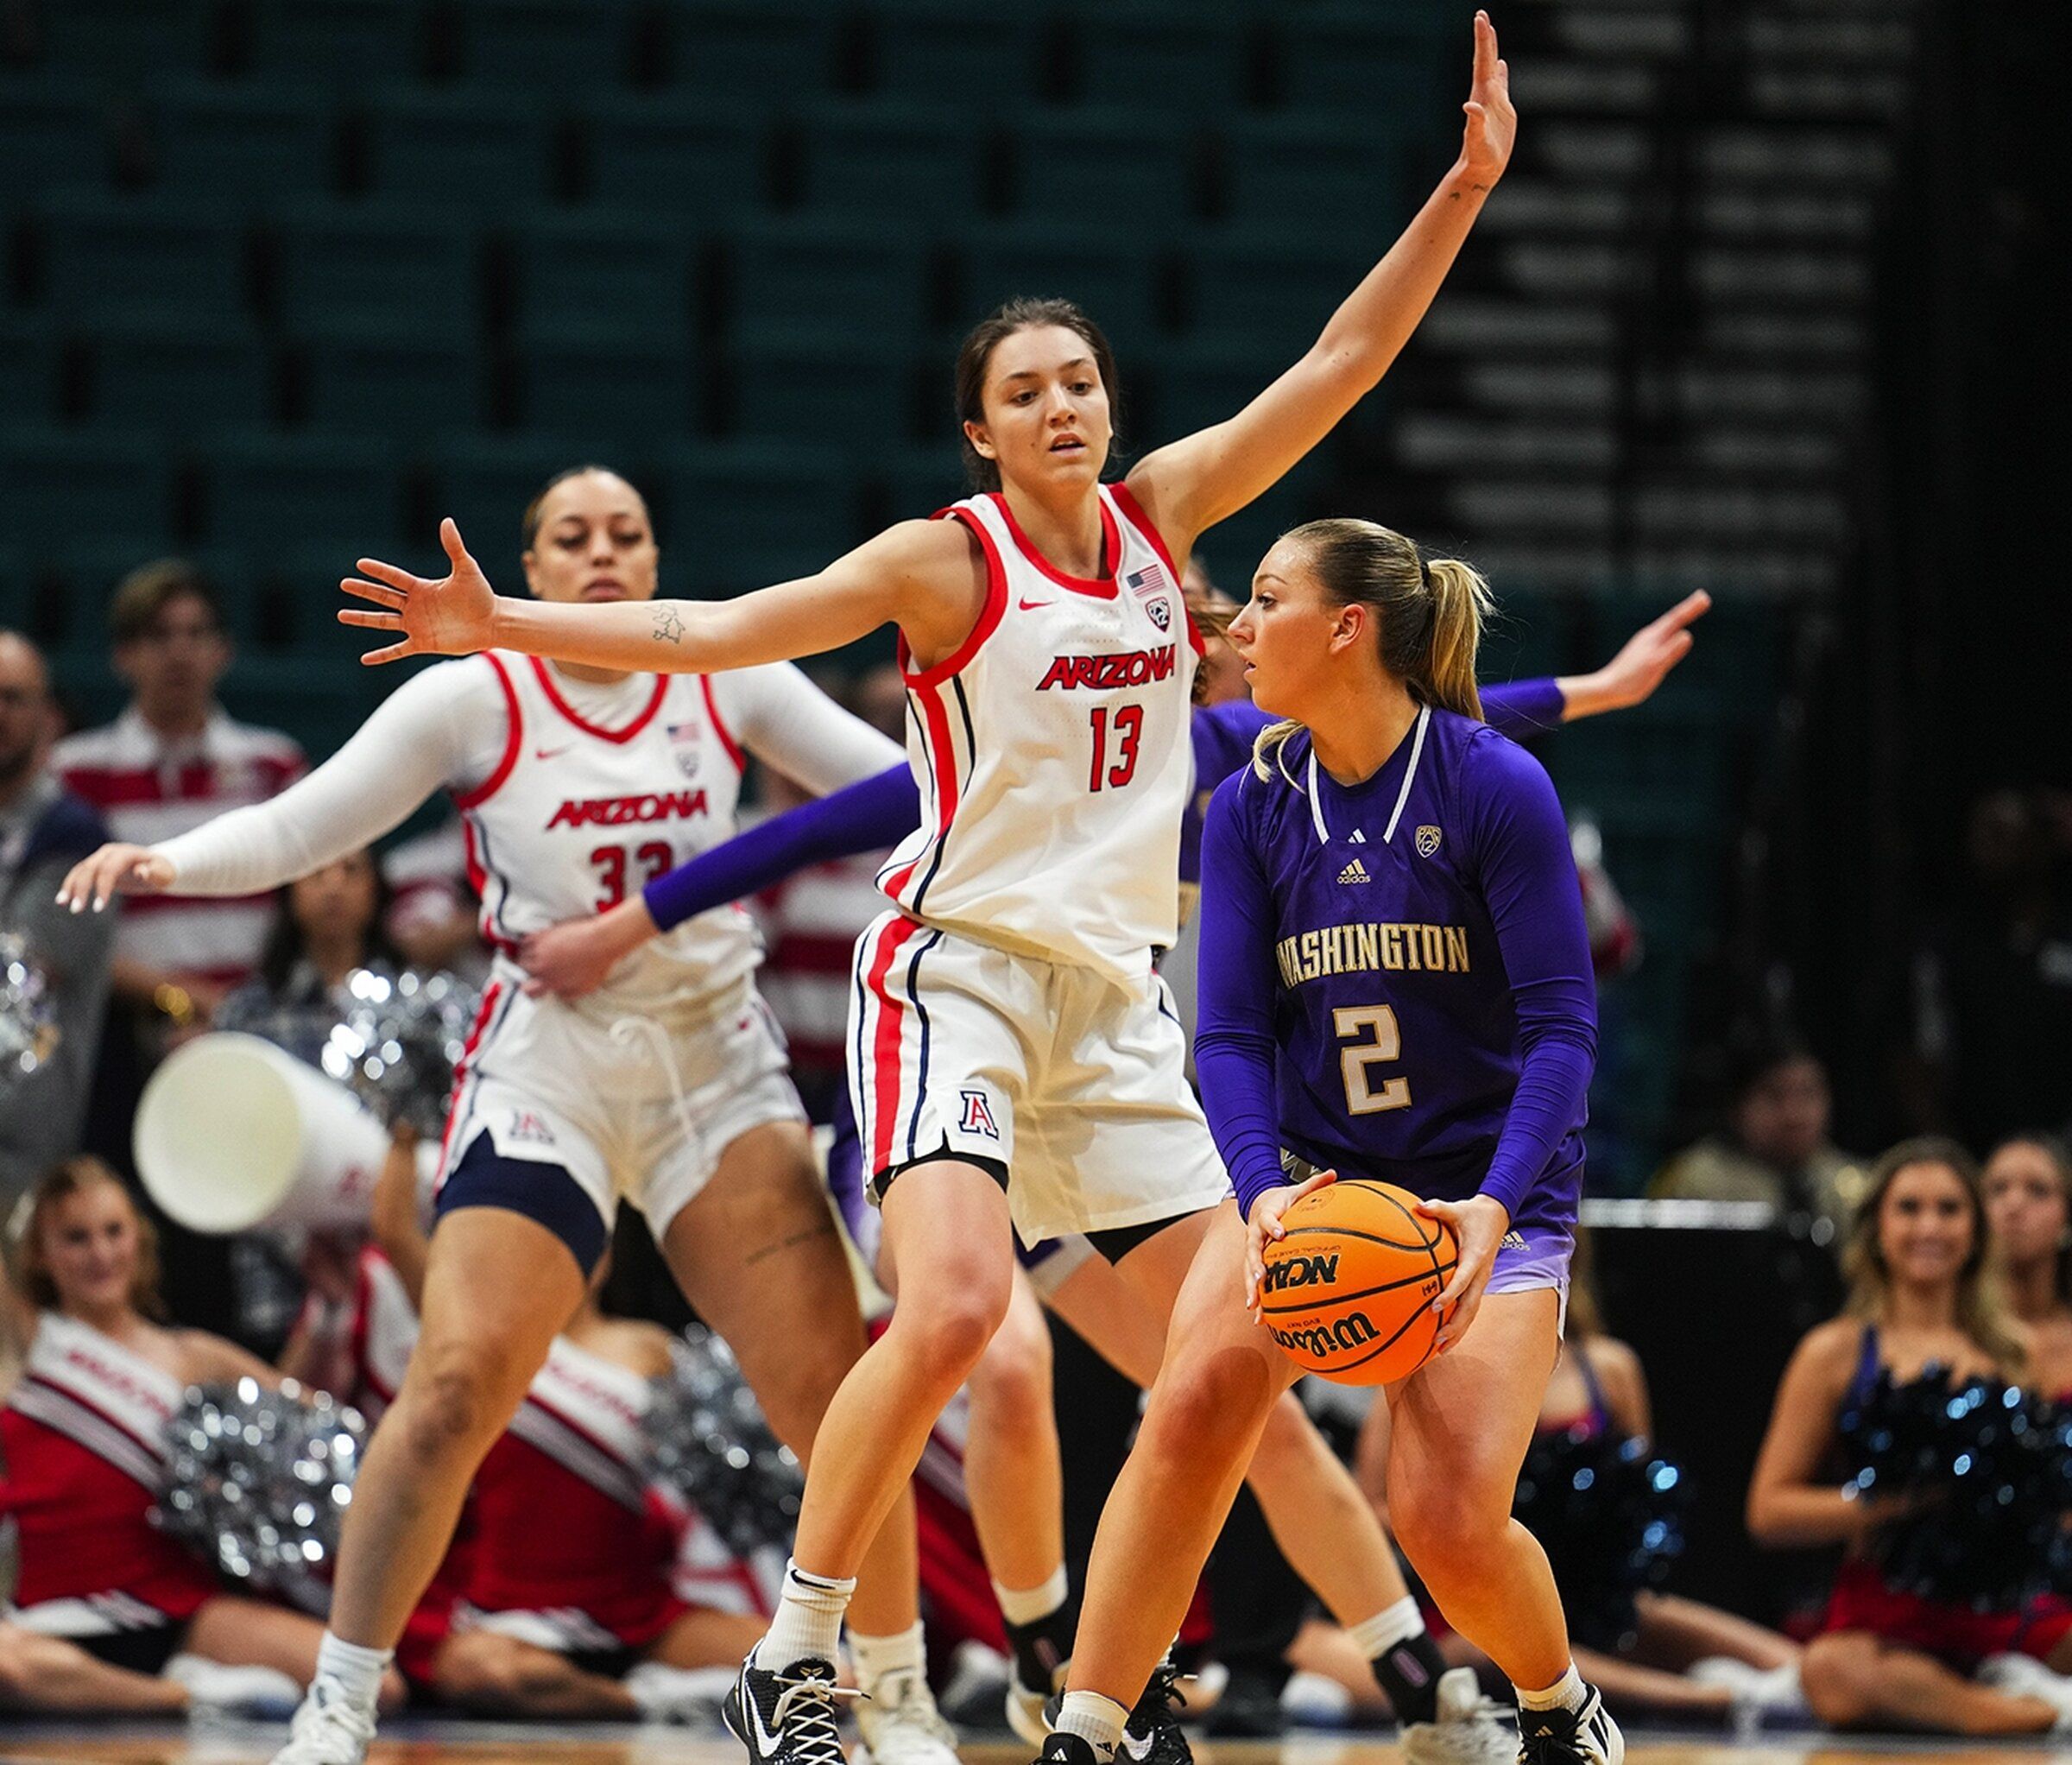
(264, 1694)
(1153, 1734)
(1068, 1750)
(1469, 1729)
(1584, 1736)
(328, 1730)
(900, 1724)
(784, 1719)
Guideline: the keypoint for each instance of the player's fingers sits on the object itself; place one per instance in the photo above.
(449, 536)
(395, 652)
(1457, 1326)
(1693, 606)
(390, 574)
(370, 621)
(1485, 46)
(394, 597)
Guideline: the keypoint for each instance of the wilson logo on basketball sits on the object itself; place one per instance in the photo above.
(1134, 668)
(1354, 1330)
(1301, 1271)
(625, 811)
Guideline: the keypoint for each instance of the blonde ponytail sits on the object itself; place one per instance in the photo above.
(1460, 601)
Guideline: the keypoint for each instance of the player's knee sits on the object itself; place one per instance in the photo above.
(1208, 1407)
(1287, 1441)
(949, 1326)
(1013, 1376)
(1839, 1676)
(455, 1402)
(17, 1667)
(1448, 1525)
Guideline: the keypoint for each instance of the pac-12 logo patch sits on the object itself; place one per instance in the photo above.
(1428, 841)
(978, 1115)
(1161, 613)
(684, 744)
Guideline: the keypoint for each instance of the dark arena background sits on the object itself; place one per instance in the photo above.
(1761, 309)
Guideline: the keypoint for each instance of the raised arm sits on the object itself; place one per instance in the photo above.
(412, 744)
(1194, 483)
(925, 576)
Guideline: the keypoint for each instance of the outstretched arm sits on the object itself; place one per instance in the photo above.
(925, 576)
(1193, 484)
(1643, 662)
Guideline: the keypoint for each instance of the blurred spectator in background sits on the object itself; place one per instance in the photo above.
(172, 760)
(1774, 1147)
(326, 926)
(811, 920)
(44, 830)
(2029, 1212)
(1993, 985)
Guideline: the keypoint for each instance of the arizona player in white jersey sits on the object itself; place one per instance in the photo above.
(667, 1086)
(1008, 1017)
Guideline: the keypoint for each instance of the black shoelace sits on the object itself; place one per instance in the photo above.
(1161, 1700)
(1549, 1736)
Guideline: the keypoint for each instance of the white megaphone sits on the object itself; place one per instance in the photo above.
(232, 1132)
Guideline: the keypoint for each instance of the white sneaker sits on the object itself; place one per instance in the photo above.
(1310, 1701)
(900, 1724)
(1758, 1691)
(1025, 1713)
(2023, 1676)
(328, 1730)
(1469, 1729)
(262, 1693)
(690, 1696)
(1560, 1737)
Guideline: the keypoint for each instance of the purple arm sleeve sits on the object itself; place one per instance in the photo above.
(1521, 709)
(880, 812)
(1528, 877)
(1236, 990)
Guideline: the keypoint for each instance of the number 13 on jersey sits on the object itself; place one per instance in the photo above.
(1126, 727)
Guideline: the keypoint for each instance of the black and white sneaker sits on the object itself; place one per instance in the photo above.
(1584, 1736)
(788, 1718)
(1152, 1734)
(1067, 1750)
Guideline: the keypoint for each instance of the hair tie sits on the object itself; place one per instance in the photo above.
(1424, 571)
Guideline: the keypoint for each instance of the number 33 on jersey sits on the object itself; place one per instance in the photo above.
(1052, 751)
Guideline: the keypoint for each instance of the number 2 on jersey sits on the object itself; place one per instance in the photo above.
(1128, 723)
(1357, 1063)
(657, 858)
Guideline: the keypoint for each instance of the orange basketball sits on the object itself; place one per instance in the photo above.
(1347, 1293)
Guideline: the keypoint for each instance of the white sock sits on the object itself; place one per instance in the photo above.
(1031, 1606)
(356, 1671)
(1389, 1626)
(1567, 1693)
(808, 1624)
(877, 1656)
(1094, 1719)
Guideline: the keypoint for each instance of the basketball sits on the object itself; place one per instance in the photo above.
(1347, 1293)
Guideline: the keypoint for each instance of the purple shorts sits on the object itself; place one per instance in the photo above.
(1534, 1256)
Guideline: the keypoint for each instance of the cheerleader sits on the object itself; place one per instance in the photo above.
(2028, 1185)
(1920, 1295)
(110, 1616)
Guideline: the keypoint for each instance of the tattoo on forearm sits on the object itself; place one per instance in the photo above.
(668, 628)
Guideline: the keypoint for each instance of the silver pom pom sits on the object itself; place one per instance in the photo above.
(710, 1444)
(28, 1026)
(399, 1043)
(259, 1481)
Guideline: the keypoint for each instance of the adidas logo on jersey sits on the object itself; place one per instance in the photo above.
(1354, 872)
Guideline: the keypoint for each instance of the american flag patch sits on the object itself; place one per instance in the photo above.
(1147, 582)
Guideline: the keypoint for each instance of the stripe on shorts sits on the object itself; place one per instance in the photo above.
(920, 1014)
(493, 998)
(885, 1042)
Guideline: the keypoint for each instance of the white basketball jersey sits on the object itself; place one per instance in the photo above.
(576, 818)
(1052, 752)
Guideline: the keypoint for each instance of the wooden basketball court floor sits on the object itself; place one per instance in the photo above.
(483, 1743)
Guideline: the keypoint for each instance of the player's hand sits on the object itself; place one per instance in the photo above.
(1644, 659)
(1265, 1226)
(114, 870)
(454, 615)
(574, 958)
(1481, 1222)
(1491, 128)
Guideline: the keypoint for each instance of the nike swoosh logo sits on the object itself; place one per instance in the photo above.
(1027, 605)
(551, 753)
(766, 1743)
(1139, 1750)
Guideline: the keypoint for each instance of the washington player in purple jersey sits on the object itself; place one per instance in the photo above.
(1395, 981)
